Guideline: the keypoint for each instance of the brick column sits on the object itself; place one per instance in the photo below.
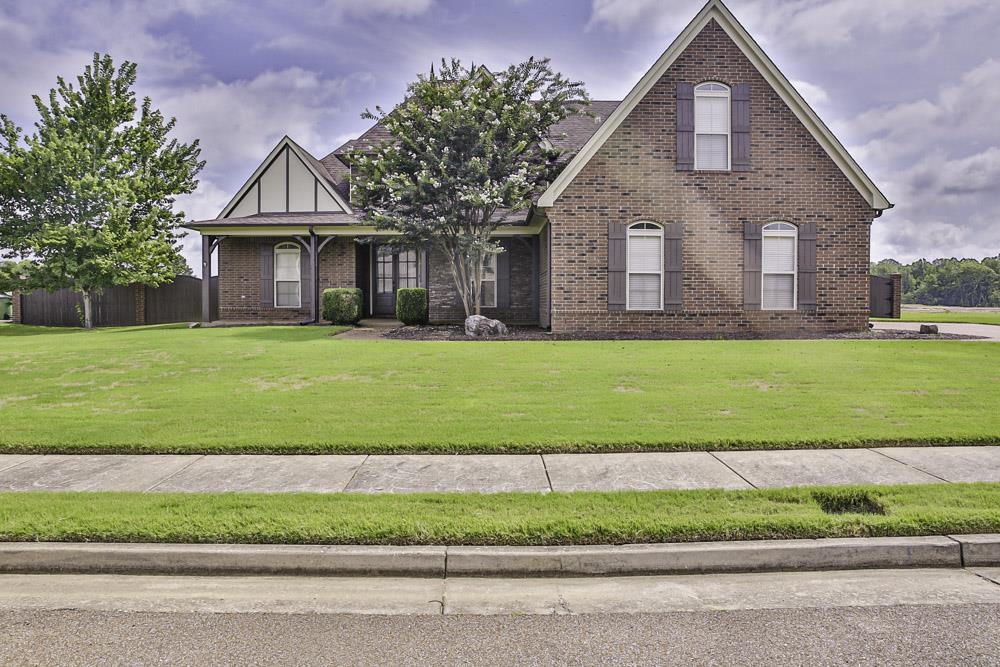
(897, 295)
(140, 304)
(15, 307)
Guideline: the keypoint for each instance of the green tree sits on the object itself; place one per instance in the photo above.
(466, 147)
(86, 202)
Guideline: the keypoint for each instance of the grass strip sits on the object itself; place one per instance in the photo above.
(299, 390)
(502, 519)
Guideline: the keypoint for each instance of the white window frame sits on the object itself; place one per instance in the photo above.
(489, 261)
(644, 228)
(288, 249)
(702, 90)
(773, 230)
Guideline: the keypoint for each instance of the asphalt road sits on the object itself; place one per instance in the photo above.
(892, 635)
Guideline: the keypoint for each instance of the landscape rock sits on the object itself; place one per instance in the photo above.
(478, 326)
(928, 328)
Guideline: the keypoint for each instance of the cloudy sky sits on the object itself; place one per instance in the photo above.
(912, 87)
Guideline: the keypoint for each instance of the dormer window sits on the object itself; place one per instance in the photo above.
(712, 127)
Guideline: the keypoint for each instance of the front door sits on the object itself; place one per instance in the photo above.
(392, 271)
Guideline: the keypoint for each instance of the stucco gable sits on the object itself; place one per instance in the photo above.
(289, 180)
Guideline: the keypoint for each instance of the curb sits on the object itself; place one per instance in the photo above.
(440, 561)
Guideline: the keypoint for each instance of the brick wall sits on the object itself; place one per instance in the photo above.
(897, 295)
(15, 307)
(446, 306)
(633, 177)
(239, 277)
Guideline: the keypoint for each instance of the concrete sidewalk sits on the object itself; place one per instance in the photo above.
(499, 473)
(987, 332)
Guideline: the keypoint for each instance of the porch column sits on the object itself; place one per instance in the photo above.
(314, 251)
(206, 278)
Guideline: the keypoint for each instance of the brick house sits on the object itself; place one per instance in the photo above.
(712, 200)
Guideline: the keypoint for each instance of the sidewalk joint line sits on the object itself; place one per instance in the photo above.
(546, 469)
(175, 473)
(21, 463)
(733, 470)
(947, 481)
(984, 578)
(355, 473)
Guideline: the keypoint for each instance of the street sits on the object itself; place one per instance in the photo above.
(876, 616)
(903, 635)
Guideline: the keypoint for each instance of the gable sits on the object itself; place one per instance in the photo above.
(289, 180)
(716, 11)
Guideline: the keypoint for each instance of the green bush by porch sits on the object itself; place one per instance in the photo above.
(504, 519)
(297, 389)
(411, 305)
(342, 305)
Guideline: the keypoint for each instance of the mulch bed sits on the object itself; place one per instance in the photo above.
(457, 332)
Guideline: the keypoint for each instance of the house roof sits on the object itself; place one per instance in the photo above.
(281, 220)
(717, 11)
(570, 134)
(502, 216)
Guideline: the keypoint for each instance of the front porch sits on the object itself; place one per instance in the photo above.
(278, 277)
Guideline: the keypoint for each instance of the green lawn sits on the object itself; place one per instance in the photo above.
(932, 317)
(506, 519)
(269, 389)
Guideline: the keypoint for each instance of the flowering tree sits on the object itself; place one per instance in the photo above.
(467, 147)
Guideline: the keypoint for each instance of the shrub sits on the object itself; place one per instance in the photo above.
(342, 305)
(411, 305)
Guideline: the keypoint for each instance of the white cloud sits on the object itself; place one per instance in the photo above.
(811, 24)
(815, 95)
(371, 8)
(240, 121)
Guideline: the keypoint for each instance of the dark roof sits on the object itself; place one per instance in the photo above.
(325, 219)
(281, 220)
(568, 135)
(573, 132)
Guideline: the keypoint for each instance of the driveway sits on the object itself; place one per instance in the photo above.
(989, 332)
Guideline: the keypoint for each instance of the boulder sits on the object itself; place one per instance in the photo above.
(478, 326)
(928, 328)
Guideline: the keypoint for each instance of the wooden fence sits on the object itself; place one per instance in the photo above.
(179, 301)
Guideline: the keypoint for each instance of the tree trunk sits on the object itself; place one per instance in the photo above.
(88, 311)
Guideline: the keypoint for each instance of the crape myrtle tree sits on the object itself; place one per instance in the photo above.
(467, 145)
(86, 202)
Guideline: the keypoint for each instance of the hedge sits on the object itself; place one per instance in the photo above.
(411, 305)
(342, 305)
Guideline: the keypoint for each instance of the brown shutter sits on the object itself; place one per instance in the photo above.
(685, 127)
(305, 279)
(751, 265)
(673, 279)
(741, 127)
(617, 249)
(503, 277)
(807, 266)
(267, 275)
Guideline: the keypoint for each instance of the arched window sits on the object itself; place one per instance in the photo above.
(287, 275)
(644, 279)
(779, 266)
(711, 126)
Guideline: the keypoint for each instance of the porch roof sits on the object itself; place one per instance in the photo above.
(324, 223)
(280, 220)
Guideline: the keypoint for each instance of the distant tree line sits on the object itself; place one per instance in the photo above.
(947, 282)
